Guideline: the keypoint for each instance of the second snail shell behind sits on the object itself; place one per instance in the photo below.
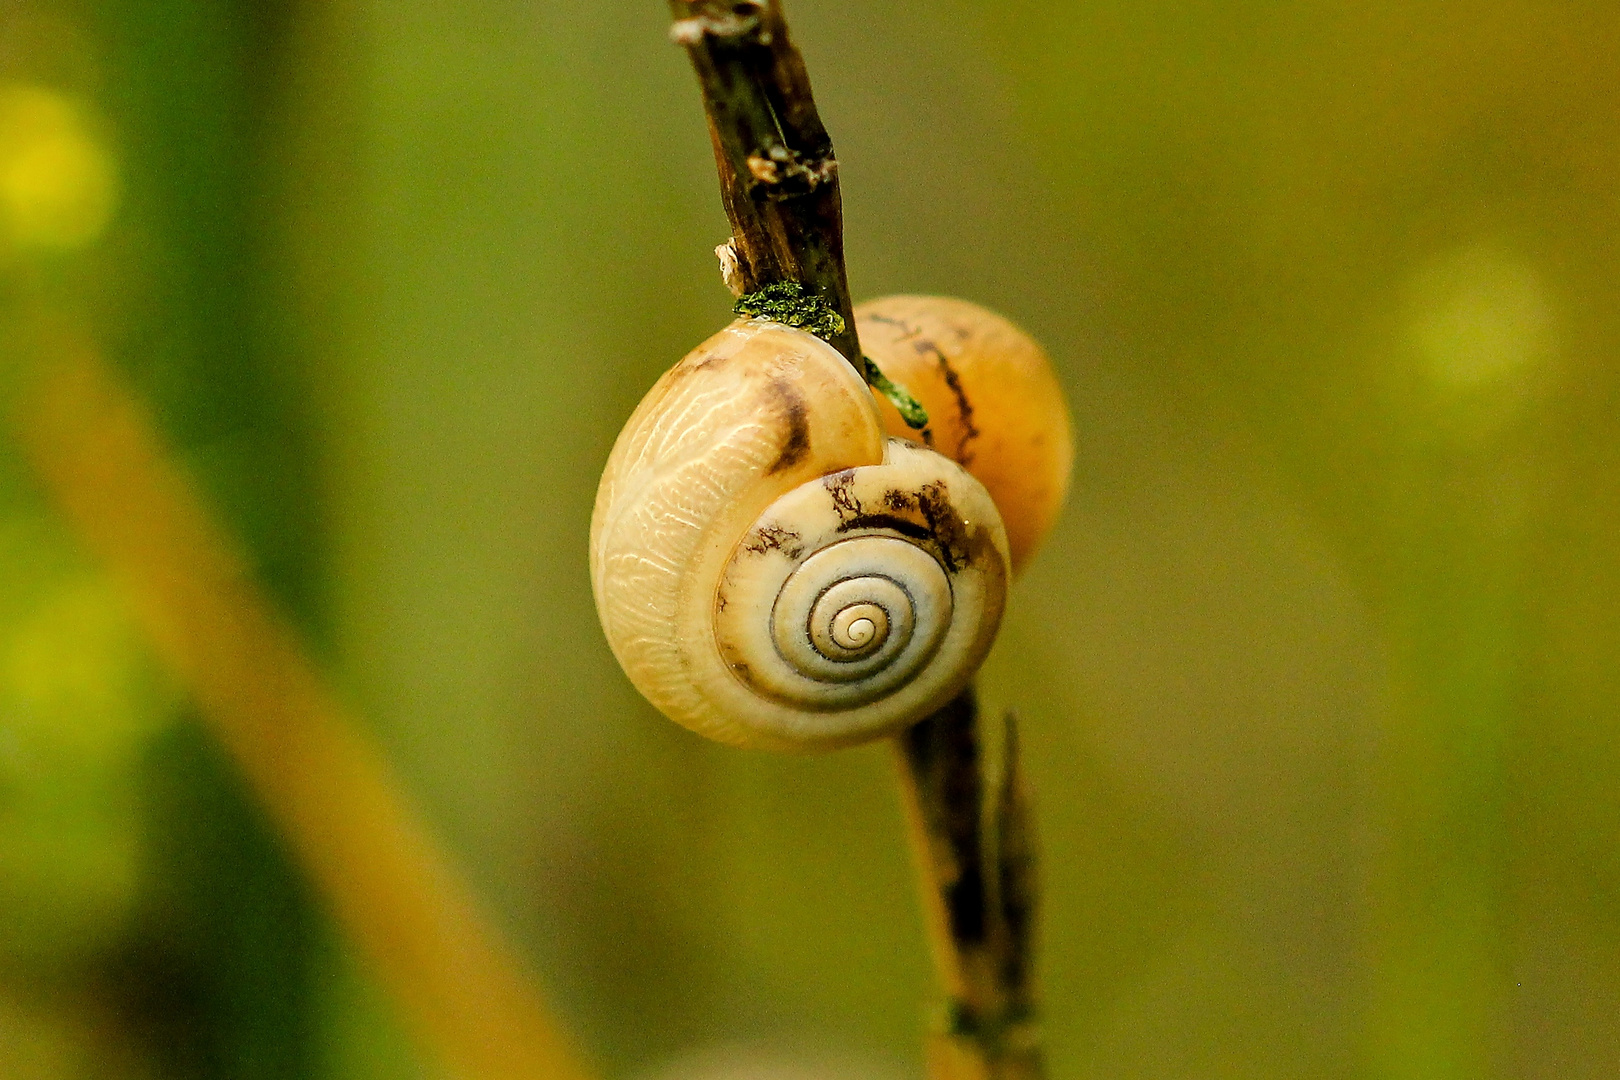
(994, 403)
(772, 570)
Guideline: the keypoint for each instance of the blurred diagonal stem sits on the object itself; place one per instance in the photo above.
(326, 786)
(972, 839)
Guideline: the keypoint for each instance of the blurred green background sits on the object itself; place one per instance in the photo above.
(1318, 674)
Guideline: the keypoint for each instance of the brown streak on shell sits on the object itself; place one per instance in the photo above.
(840, 486)
(964, 408)
(925, 515)
(772, 537)
(795, 415)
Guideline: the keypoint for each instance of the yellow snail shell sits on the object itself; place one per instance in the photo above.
(772, 570)
(994, 403)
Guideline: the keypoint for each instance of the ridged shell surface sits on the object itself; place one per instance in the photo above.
(770, 570)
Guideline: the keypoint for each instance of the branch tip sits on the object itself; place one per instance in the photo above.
(778, 174)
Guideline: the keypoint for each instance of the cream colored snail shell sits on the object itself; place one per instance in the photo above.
(770, 569)
(994, 403)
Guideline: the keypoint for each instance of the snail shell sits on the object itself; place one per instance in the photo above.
(994, 403)
(772, 570)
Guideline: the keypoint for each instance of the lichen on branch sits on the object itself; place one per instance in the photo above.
(791, 304)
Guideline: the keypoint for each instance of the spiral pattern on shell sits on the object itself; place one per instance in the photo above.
(770, 569)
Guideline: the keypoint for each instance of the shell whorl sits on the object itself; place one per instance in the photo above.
(770, 570)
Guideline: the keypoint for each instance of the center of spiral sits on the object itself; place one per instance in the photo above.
(860, 628)
(846, 628)
(854, 621)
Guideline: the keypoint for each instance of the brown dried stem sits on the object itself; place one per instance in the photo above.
(778, 175)
(974, 848)
(327, 787)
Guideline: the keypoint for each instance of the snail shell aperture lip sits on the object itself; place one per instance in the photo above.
(770, 570)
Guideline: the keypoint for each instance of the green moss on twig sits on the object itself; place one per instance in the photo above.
(791, 304)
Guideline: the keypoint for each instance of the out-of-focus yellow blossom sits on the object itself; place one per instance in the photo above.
(77, 706)
(58, 180)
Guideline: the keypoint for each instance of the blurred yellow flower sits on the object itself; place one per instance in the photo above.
(79, 705)
(58, 182)
(1481, 318)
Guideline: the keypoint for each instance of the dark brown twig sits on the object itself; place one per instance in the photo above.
(976, 865)
(778, 175)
